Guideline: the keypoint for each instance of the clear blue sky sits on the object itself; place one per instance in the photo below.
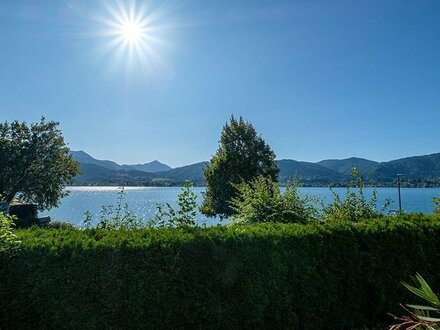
(318, 79)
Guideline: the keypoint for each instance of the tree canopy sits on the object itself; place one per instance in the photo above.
(35, 163)
(242, 156)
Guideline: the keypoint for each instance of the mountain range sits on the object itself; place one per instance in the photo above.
(420, 171)
(152, 167)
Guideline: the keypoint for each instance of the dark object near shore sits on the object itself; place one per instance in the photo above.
(27, 215)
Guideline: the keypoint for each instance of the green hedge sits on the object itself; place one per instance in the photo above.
(260, 276)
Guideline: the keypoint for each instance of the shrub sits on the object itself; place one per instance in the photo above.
(262, 201)
(355, 206)
(120, 217)
(275, 276)
(59, 225)
(111, 217)
(184, 216)
(8, 240)
(436, 201)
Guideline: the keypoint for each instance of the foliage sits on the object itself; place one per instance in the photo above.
(120, 217)
(35, 163)
(111, 217)
(8, 240)
(59, 225)
(355, 206)
(436, 201)
(262, 201)
(420, 317)
(88, 219)
(277, 276)
(185, 216)
(242, 156)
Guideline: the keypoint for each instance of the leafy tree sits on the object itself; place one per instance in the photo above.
(262, 201)
(35, 163)
(242, 157)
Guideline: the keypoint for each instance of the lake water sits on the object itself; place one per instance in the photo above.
(142, 200)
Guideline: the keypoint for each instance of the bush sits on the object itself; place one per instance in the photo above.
(120, 217)
(436, 201)
(111, 217)
(262, 201)
(276, 276)
(8, 240)
(184, 216)
(59, 225)
(355, 206)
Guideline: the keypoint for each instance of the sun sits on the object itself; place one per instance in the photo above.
(133, 38)
(129, 28)
(132, 32)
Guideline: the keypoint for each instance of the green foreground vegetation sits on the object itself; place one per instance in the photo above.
(282, 276)
(284, 261)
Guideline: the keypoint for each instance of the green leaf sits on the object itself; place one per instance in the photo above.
(428, 319)
(426, 308)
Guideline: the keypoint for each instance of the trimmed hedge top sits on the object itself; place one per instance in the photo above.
(335, 276)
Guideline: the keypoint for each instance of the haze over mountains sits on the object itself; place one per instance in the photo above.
(418, 170)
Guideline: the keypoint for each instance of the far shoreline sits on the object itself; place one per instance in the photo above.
(281, 185)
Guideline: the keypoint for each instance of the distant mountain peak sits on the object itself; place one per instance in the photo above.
(84, 158)
(151, 167)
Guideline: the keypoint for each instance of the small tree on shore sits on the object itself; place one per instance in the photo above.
(242, 157)
(35, 163)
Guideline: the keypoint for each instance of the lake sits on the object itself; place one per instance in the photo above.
(142, 200)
